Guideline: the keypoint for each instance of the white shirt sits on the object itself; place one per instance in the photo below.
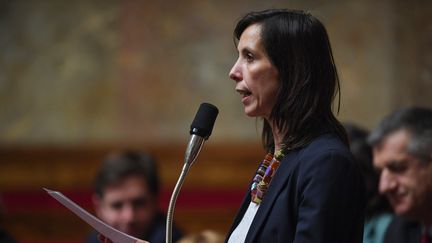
(240, 232)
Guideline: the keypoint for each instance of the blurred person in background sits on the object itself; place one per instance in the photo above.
(378, 212)
(402, 150)
(126, 197)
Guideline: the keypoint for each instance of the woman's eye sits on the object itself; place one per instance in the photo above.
(249, 57)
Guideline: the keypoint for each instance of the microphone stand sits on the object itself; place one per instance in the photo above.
(193, 149)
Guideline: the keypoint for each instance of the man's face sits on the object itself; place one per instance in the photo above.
(405, 180)
(128, 206)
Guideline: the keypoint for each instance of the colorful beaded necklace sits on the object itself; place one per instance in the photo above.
(264, 176)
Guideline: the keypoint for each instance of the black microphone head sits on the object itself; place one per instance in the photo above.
(204, 120)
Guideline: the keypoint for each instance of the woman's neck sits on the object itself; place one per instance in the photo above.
(277, 137)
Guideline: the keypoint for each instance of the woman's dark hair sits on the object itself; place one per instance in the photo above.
(298, 46)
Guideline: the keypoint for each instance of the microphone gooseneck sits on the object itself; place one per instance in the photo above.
(200, 130)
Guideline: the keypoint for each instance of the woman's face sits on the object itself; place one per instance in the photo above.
(255, 76)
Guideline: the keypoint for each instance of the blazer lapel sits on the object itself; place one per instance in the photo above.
(276, 186)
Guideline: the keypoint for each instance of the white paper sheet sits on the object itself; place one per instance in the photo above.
(114, 235)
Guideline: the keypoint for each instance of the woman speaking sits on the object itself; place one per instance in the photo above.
(307, 188)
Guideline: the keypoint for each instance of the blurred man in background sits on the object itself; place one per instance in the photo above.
(126, 197)
(402, 149)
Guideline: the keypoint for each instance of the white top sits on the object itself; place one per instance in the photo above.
(239, 234)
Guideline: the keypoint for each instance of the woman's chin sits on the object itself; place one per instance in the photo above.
(254, 114)
(251, 111)
(250, 114)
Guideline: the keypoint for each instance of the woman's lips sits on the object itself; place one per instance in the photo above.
(245, 99)
(245, 94)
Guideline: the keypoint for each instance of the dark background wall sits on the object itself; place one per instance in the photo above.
(79, 79)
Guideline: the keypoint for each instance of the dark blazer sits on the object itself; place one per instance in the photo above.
(316, 195)
(403, 231)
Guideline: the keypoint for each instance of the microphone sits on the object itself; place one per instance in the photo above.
(200, 130)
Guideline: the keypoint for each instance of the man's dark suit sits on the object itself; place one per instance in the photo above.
(403, 231)
(317, 195)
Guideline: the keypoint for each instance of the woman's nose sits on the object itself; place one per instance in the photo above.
(235, 73)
